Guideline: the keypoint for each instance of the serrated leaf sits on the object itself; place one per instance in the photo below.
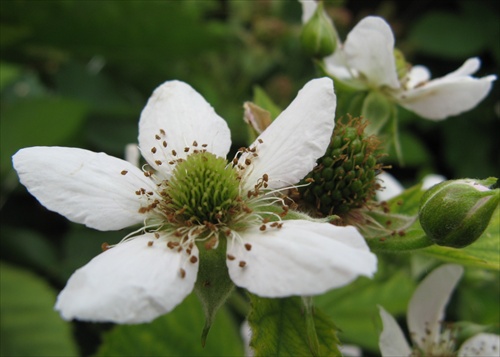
(279, 329)
(484, 253)
(29, 326)
(175, 334)
(354, 307)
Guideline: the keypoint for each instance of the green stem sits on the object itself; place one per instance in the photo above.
(312, 337)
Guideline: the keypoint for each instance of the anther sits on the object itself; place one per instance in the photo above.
(242, 264)
(182, 273)
(195, 143)
(157, 235)
(150, 243)
(248, 162)
(153, 150)
(162, 132)
(261, 141)
(263, 227)
(248, 246)
(186, 149)
(157, 137)
(124, 172)
(164, 144)
(204, 145)
(158, 162)
(174, 152)
(193, 259)
(105, 246)
(230, 257)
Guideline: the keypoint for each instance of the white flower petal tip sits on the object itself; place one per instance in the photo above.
(300, 258)
(308, 9)
(177, 118)
(288, 149)
(392, 342)
(481, 345)
(86, 187)
(133, 282)
(427, 305)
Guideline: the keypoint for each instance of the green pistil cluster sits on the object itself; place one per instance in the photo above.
(203, 189)
(344, 178)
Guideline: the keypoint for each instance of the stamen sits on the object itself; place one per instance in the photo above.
(193, 259)
(231, 257)
(242, 264)
(124, 172)
(153, 150)
(248, 246)
(182, 273)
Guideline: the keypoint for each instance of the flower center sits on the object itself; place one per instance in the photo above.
(203, 189)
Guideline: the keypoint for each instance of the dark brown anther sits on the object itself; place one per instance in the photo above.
(230, 257)
(153, 150)
(204, 145)
(162, 132)
(164, 144)
(195, 143)
(263, 227)
(242, 264)
(150, 243)
(124, 172)
(248, 162)
(174, 152)
(193, 259)
(157, 137)
(186, 149)
(157, 235)
(158, 162)
(105, 246)
(182, 273)
(261, 141)
(248, 246)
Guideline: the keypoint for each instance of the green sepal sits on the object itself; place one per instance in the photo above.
(213, 284)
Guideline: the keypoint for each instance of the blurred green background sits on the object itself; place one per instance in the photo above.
(77, 73)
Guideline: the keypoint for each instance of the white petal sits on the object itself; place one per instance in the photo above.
(390, 187)
(427, 305)
(369, 48)
(450, 95)
(296, 139)
(301, 258)
(417, 75)
(308, 9)
(432, 179)
(184, 117)
(129, 283)
(481, 345)
(84, 186)
(469, 67)
(337, 66)
(392, 341)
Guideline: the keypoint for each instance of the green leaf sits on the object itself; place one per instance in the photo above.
(377, 109)
(279, 328)
(354, 307)
(37, 121)
(484, 253)
(29, 326)
(261, 98)
(175, 334)
(8, 73)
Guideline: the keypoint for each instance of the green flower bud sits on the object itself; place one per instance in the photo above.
(318, 36)
(455, 213)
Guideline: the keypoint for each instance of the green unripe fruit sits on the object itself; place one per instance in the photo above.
(318, 36)
(344, 178)
(456, 213)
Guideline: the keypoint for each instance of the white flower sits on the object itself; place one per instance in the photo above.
(190, 199)
(425, 316)
(366, 61)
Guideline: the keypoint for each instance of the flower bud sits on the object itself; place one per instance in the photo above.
(318, 36)
(455, 213)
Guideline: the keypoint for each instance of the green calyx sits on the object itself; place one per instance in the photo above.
(344, 178)
(203, 189)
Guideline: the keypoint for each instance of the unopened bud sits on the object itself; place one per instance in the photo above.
(318, 36)
(456, 213)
